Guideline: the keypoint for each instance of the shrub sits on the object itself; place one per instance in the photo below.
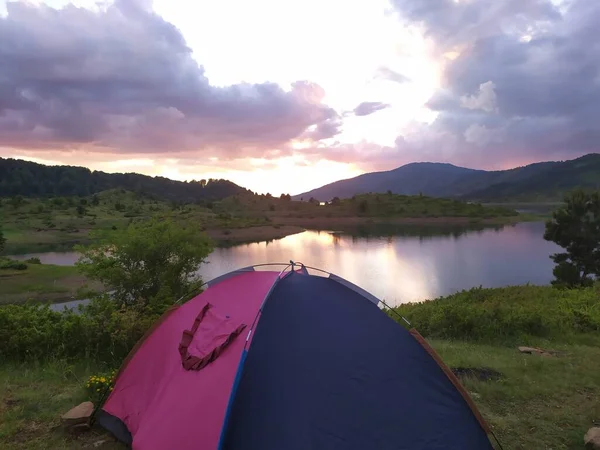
(9, 264)
(166, 258)
(34, 260)
(100, 330)
(507, 314)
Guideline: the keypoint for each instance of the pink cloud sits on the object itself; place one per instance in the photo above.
(123, 80)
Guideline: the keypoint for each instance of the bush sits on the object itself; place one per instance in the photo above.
(9, 264)
(99, 330)
(34, 260)
(507, 314)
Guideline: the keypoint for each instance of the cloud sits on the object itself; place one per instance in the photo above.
(524, 84)
(452, 23)
(366, 108)
(485, 99)
(121, 77)
(388, 74)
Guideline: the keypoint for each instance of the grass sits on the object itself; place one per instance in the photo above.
(43, 282)
(539, 403)
(510, 315)
(44, 224)
(32, 398)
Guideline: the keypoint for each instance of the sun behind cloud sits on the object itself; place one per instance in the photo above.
(297, 93)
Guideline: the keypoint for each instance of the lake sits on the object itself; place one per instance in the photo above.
(398, 263)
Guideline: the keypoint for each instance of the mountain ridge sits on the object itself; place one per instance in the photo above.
(546, 180)
(30, 179)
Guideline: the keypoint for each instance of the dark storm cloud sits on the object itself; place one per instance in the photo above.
(366, 108)
(122, 77)
(525, 85)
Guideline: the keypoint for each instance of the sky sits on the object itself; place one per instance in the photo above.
(283, 97)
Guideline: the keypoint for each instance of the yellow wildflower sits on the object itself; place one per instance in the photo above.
(103, 379)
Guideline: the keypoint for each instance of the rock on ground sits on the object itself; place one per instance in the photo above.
(79, 414)
(537, 351)
(592, 439)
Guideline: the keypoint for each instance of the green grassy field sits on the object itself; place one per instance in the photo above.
(539, 402)
(535, 403)
(41, 282)
(32, 398)
(37, 225)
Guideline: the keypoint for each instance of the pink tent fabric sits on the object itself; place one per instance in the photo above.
(153, 394)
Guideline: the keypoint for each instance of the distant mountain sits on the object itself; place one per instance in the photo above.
(540, 182)
(429, 178)
(18, 177)
(545, 181)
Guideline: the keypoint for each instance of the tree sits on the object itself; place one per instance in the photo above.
(363, 207)
(335, 201)
(95, 200)
(147, 263)
(17, 201)
(2, 241)
(576, 228)
(81, 210)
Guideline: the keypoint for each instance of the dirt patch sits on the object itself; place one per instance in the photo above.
(10, 402)
(478, 373)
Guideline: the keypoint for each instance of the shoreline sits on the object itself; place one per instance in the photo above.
(327, 222)
(283, 226)
(225, 237)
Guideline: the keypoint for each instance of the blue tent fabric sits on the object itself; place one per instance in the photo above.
(327, 369)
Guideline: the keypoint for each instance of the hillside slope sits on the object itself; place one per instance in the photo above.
(30, 179)
(546, 181)
(411, 179)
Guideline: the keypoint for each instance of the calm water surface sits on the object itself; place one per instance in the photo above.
(406, 265)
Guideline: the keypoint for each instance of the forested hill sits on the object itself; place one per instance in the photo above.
(545, 181)
(18, 177)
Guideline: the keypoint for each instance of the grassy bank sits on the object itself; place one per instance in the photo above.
(43, 282)
(32, 398)
(511, 315)
(52, 224)
(535, 402)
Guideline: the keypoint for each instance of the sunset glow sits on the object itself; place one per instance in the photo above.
(284, 97)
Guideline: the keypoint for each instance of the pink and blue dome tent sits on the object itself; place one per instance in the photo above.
(287, 360)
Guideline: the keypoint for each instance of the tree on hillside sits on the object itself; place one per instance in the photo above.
(576, 228)
(17, 201)
(2, 241)
(148, 263)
